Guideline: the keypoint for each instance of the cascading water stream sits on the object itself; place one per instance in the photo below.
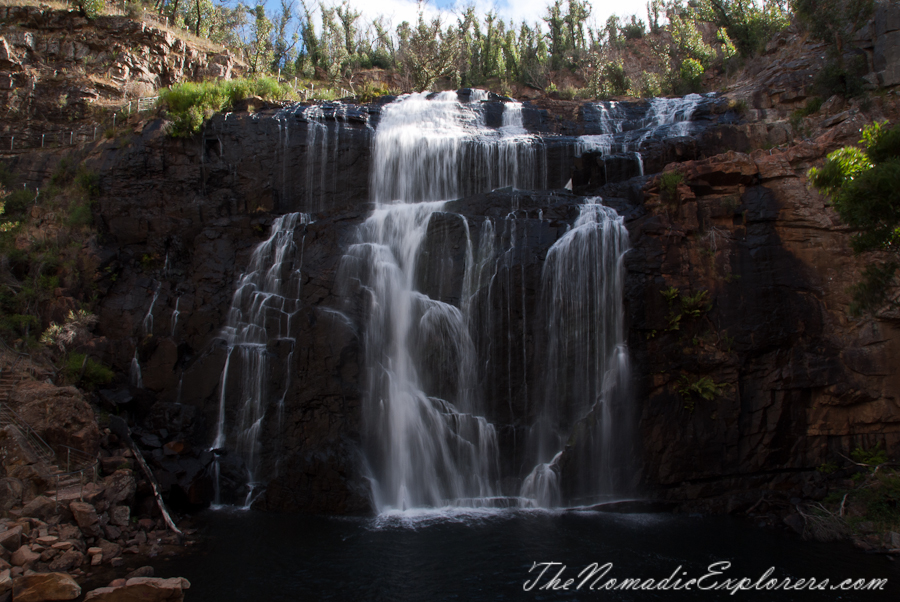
(424, 450)
(624, 133)
(586, 368)
(264, 303)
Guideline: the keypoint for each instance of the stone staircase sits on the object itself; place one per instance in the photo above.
(69, 469)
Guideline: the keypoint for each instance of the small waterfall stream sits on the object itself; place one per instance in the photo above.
(262, 308)
(586, 367)
(625, 132)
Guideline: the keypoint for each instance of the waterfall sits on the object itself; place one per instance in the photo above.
(265, 301)
(585, 403)
(425, 449)
(434, 147)
(316, 148)
(135, 375)
(148, 317)
(422, 450)
(426, 436)
(175, 315)
(623, 132)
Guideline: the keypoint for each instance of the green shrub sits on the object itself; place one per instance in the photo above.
(634, 29)
(861, 184)
(843, 79)
(691, 74)
(567, 93)
(696, 304)
(873, 457)
(80, 215)
(669, 183)
(646, 85)
(190, 104)
(690, 387)
(18, 202)
(7, 178)
(369, 91)
(750, 25)
(670, 294)
(15, 325)
(90, 8)
(86, 371)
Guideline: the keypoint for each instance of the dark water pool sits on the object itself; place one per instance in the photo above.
(487, 555)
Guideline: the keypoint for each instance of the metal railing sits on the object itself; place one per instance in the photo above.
(40, 447)
(72, 465)
(24, 141)
(80, 468)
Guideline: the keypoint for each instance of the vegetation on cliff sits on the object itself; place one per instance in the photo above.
(566, 52)
(863, 502)
(48, 273)
(190, 104)
(861, 183)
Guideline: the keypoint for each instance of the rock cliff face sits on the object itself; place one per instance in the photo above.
(801, 381)
(764, 258)
(59, 71)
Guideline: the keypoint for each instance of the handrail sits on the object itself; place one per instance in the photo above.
(75, 459)
(9, 418)
(77, 462)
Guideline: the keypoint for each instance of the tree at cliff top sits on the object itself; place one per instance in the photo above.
(428, 51)
(332, 41)
(89, 8)
(749, 23)
(863, 185)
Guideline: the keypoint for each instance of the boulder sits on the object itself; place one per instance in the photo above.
(24, 556)
(60, 415)
(5, 581)
(66, 531)
(109, 549)
(67, 561)
(40, 507)
(10, 493)
(14, 449)
(120, 487)
(44, 587)
(144, 571)
(34, 478)
(86, 517)
(142, 589)
(114, 463)
(11, 539)
(120, 515)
